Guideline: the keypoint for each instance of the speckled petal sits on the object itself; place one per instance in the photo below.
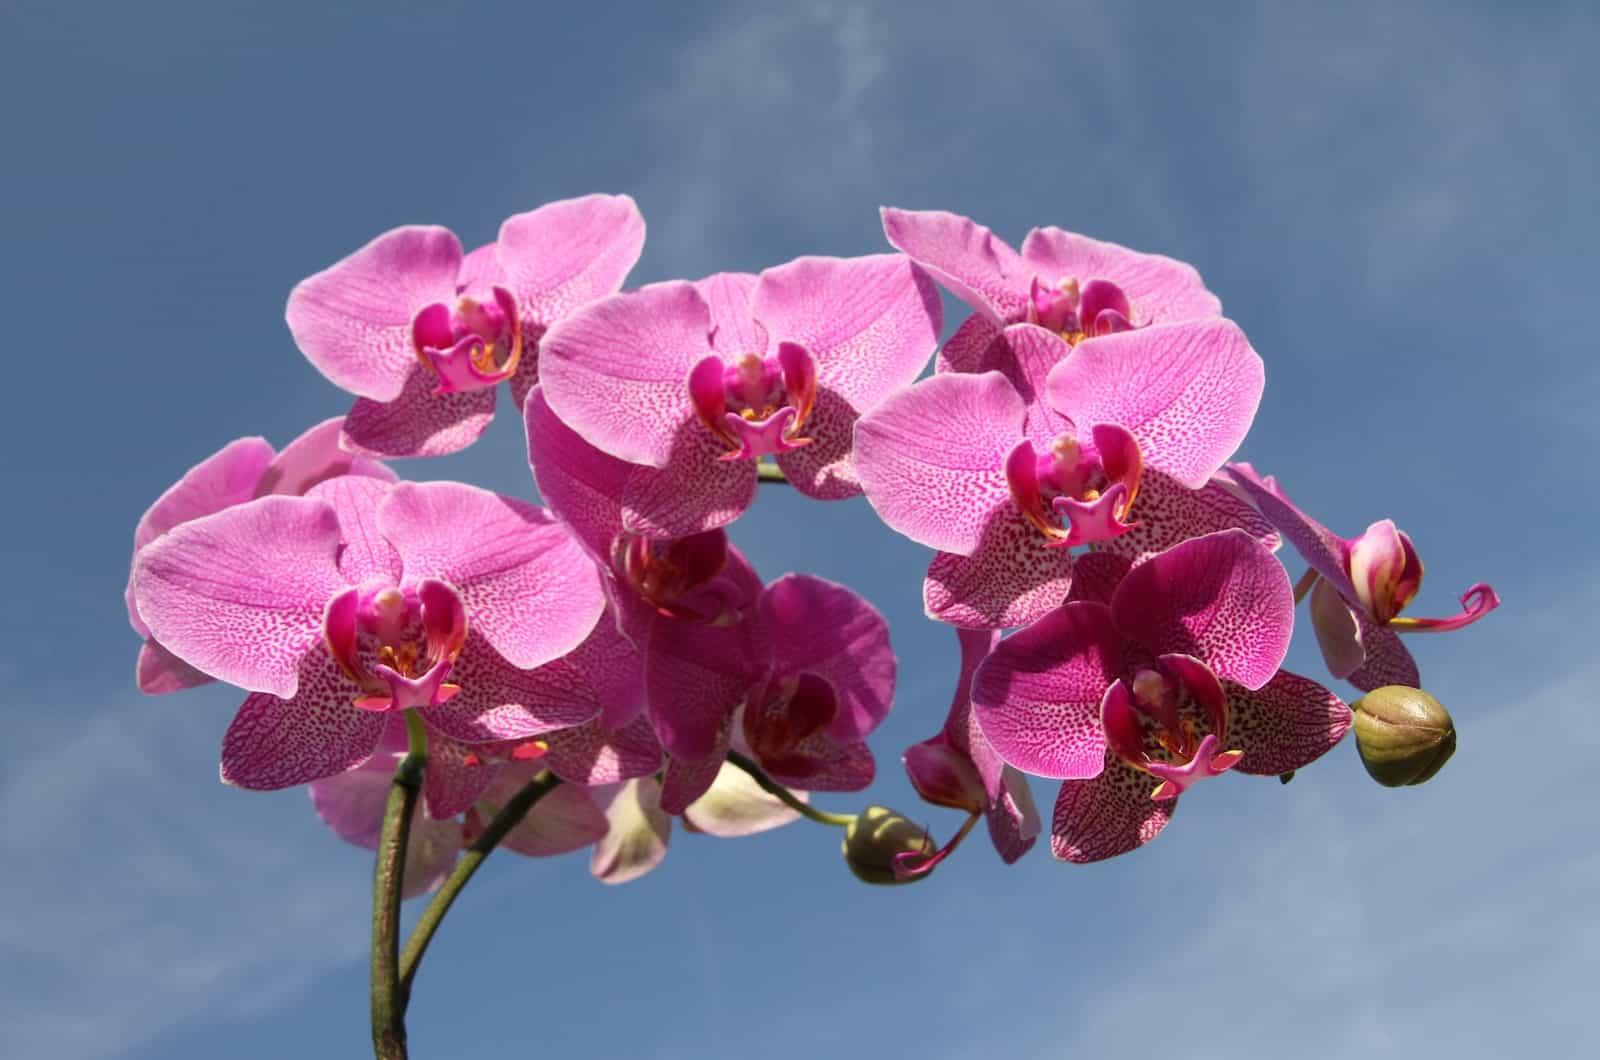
(820, 627)
(1037, 696)
(363, 552)
(1222, 598)
(592, 754)
(1166, 512)
(617, 370)
(825, 470)
(1096, 575)
(686, 779)
(695, 492)
(528, 585)
(932, 458)
(418, 422)
(1109, 815)
(1187, 392)
(582, 485)
(450, 785)
(239, 595)
(972, 262)
(1011, 578)
(1013, 820)
(1290, 722)
(1324, 550)
(566, 254)
(499, 701)
(695, 677)
(277, 743)
(1026, 354)
(636, 839)
(1161, 289)
(1388, 661)
(964, 350)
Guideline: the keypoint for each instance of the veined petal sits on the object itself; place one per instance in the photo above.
(972, 262)
(1326, 552)
(564, 820)
(1108, 815)
(1162, 289)
(825, 469)
(417, 421)
(617, 370)
(449, 784)
(159, 671)
(315, 457)
(686, 779)
(736, 806)
(352, 320)
(1338, 629)
(1167, 513)
(1187, 392)
(528, 585)
(695, 677)
(583, 486)
(1037, 696)
(276, 743)
(239, 595)
(566, 254)
(696, 491)
(637, 833)
(1222, 598)
(1026, 354)
(1386, 660)
(363, 553)
(964, 351)
(499, 701)
(1013, 820)
(592, 754)
(1010, 579)
(1096, 575)
(1290, 722)
(818, 627)
(932, 458)
(734, 329)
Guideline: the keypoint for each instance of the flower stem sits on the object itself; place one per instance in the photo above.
(388, 1009)
(787, 797)
(766, 472)
(1303, 586)
(508, 818)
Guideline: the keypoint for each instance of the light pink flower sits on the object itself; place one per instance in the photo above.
(957, 767)
(1113, 444)
(700, 380)
(364, 598)
(242, 470)
(1362, 585)
(1174, 680)
(422, 333)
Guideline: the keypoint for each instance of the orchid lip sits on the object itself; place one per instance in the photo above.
(756, 406)
(397, 644)
(1477, 601)
(1147, 726)
(462, 346)
(1074, 494)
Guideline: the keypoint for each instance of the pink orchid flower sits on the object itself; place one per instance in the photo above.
(1113, 443)
(797, 686)
(242, 470)
(957, 768)
(1361, 586)
(1077, 287)
(702, 380)
(364, 598)
(1131, 702)
(422, 333)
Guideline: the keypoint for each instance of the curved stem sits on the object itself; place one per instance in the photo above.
(508, 818)
(388, 1010)
(787, 797)
(766, 472)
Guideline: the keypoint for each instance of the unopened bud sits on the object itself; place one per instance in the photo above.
(1404, 735)
(875, 837)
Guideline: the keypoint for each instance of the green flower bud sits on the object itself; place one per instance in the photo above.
(874, 838)
(1403, 734)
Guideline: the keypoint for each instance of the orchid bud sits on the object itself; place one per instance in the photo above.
(875, 837)
(1404, 735)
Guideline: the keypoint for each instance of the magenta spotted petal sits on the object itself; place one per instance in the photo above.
(1287, 724)
(1159, 289)
(1010, 579)
(1167, 513)
(818, 627)
(1110, 814)
(1325, 551)
(593, 754)
(972, 262)
(1037, 696)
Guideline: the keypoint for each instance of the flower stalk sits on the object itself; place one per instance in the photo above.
(388, 1006)
(787, 797)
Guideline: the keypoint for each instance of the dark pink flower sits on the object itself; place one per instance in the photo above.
(422, 333)
(1175, 679)
(1362, 585)
(364, 598)
(242, 470)
(700, 380)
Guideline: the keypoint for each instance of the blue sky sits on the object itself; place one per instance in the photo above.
(1397, 203)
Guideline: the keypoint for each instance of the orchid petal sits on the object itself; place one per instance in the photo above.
(1162, 289)
(637, 834)
(1096, 575)
(1010, 579)
(1386, 659)
(695, 492)
(972, 262)
(964, 351)
(1290, 722)
(592, 754)
(818, 627)
(1013, 820)
(363, 552)
(736, 806)
(563, 820)
(695, 676)
(1167, 513)
(1338, 627)
(582, 485)
(566, 254)
(499, 701)
(734, 330)
(1108, 815)
(1026, 354)
(159, 671)
(315, 457)
(1326, 552)
(449, 784)
(418, 421)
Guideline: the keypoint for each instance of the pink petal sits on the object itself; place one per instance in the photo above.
(417, 422)
(431, 852)
(871, 323)
(1013, 820)
(968, 259)
(686, 779)
(1037, 696)
(353, 804)
(825, 470)
(239, 595)
(1289, 723)
(1325, 551)
(1096, 575)
(1222, 598)
(831, 765)
(932, 458)
(564, 820)
(277, 743)
(734, 329)
(1162, 290)
(1109, 815)
(159, 671)
(1010, 579)
(695, 492)
(1338, 630)
(566, 254)
(499, 701)
(481, 268)
(695, 677)
(963, 351)
(449, 784)
(363, 552)
(592, 754)
(1187, 392)
(315, 457)
(582, 485)
(617, 370)
(1025, 354)
(1388, 661)
(819, 627)
(353, 319)
(528, 585)
(736, 806)
(1167, 512)
(637, 837)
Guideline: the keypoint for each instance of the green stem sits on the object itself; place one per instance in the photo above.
(388, 1010)
(787, 797)
(508, 818)
(766, 472)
